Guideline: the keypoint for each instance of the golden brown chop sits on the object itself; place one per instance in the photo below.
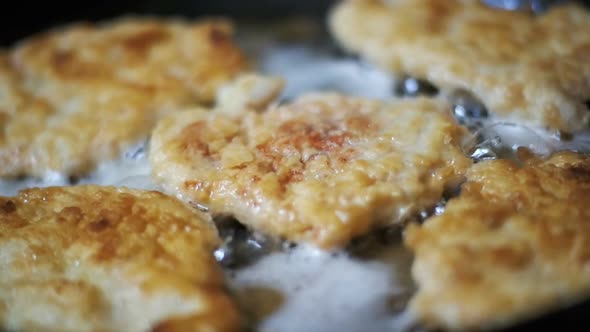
(323, 169)
(73, 97)
(515, 243)
(92, 258)
(525, 68)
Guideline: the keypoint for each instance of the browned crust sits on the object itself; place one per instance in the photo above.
(70, 249)
(512, 245)
(525, 68)
(75, 96)
(321, 170)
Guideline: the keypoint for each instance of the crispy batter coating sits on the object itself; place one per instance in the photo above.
(322, 170)
(73, 97)
(515, 243)
(92, 258)
(525, 68)
(248, 90)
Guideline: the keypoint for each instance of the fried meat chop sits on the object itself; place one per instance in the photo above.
(73, 97)
(515, 243)
(323, 169)
(91, 258)
(526, 68)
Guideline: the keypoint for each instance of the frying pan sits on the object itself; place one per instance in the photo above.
(27, 17)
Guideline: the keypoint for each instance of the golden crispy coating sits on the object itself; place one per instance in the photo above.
(322, 170)
(525, 68)
(248, 90)
(76, 96)
(92, 258)
(516, 242)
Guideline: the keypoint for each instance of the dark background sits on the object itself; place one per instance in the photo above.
(19, 18)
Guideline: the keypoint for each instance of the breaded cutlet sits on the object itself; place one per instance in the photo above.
(90, 258)
(322, 169)
(525, 68)
(75, 96)
(514, 244)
